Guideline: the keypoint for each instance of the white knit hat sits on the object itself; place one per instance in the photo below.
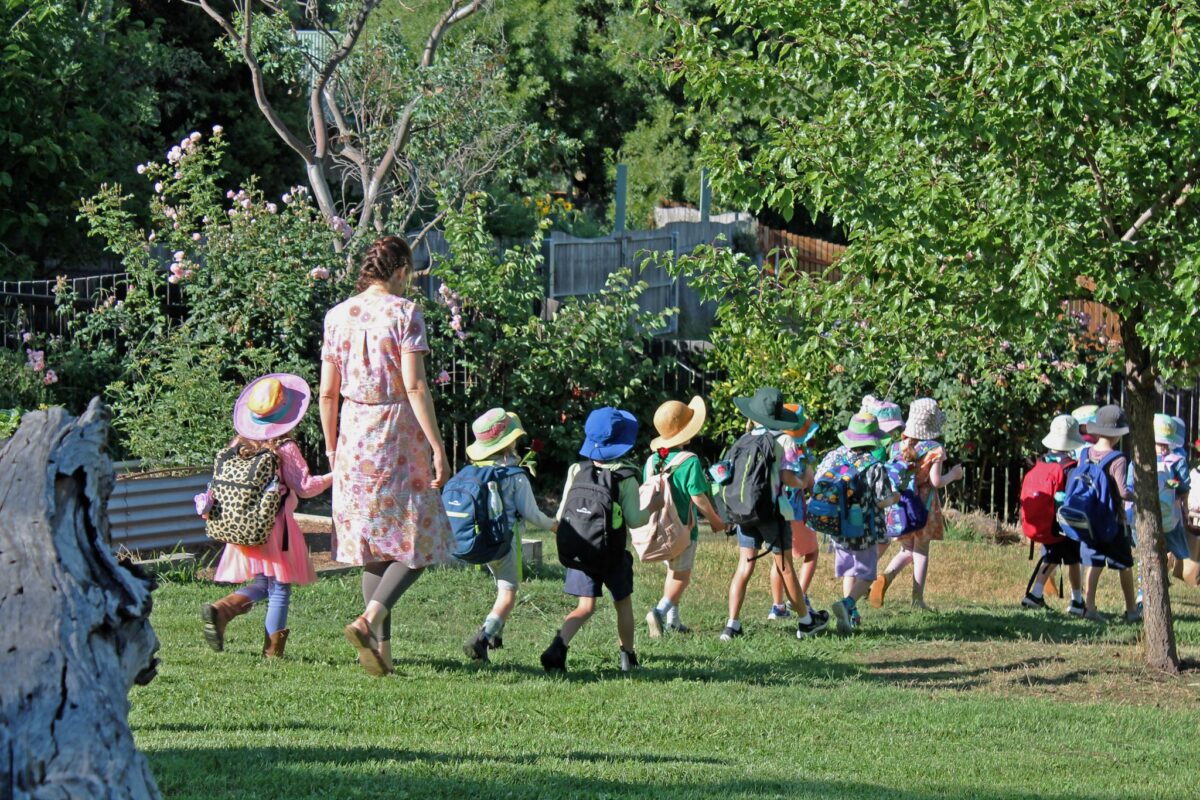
(925, 419)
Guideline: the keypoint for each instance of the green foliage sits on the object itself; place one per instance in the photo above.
(827, 348)
(10, 420)
(490, 332)
(255, 276)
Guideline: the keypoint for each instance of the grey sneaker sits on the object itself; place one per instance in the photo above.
(629, 661)
(730, 633)
(1094, 616)
(1076, 609)
(654, 622)
(1133, 617)
(842, 614)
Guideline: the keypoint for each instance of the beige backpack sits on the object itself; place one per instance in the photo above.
(665, 536)
(245, 497)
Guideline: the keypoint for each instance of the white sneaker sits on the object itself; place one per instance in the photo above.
(654, 623)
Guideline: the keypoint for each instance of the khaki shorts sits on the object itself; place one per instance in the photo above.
(504, 570)
(684, 561)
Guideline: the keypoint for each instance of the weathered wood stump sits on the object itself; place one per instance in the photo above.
(75, 633)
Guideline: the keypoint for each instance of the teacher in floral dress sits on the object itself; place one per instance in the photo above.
(389, 462)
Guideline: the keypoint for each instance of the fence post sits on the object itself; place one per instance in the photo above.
(619, 198)
(705, 195)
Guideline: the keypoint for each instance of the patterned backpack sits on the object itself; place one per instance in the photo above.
(245, 497)
(835, 505)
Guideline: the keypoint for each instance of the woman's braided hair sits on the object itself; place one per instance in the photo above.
(385, 257)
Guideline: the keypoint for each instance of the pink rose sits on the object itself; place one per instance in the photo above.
(50, 379)
(319, 273)
(442, 379)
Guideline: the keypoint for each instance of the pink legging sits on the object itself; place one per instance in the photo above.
(916, 554)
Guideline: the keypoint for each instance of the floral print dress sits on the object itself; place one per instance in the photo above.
(384, 508)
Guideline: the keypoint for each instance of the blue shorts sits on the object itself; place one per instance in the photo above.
(1177, 542)
(618, 579)
(1117, 554)
(778, 532)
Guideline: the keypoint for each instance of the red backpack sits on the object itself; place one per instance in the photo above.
(1037, 500)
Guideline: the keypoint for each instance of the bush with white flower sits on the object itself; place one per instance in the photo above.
(246, 276)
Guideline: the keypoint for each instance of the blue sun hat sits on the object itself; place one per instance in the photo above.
(609, 433)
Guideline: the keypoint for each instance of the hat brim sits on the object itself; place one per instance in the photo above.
(476, 451)
(249, 428)
(789, 421)
(1062, 444)
(922, 433)
(1096, 430)
(855, 440)
(612, 450)
(887, 426)
(689, 431)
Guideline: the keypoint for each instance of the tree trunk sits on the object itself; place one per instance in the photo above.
(74, 623)
(1141, 397)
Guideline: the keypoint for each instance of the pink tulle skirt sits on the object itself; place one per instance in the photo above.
(239, 564)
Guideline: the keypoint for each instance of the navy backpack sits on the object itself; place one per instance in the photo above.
(481, 533)
(1089, 510)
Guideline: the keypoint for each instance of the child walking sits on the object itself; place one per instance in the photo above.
(1174, 485)
(805, 548)
(1041, 492)
(924, 454)
(856, 468)
(765, 443)
(600, 502)
(1108, 427)
(677, 424)
(266, 412)
(496, 435)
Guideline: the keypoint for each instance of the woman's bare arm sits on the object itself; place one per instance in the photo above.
(331, 390)
(412, 369)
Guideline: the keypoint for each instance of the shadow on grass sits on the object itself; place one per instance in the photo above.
(984, 626)
(661, 668)
(953, 675)
(289, 772)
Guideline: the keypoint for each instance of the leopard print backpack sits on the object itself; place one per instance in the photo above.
(245, 500)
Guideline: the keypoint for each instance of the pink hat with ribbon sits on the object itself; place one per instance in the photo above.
(271, 406)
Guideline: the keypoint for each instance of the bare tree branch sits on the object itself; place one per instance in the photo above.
(1176, 196)
(1105, 212)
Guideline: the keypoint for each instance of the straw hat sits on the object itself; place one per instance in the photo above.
(863, 431)
(925, 419)
(1064, 435)
(494, 430)
(271, 406)
(677, 423)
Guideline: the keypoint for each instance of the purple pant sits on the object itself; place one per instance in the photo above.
(856, 563)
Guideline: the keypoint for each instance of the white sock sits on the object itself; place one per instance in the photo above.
(733, 623)
(673, 616)
(492, 626)
(1077, 596)
(1037, 589)
(665, 606)
(806, 619)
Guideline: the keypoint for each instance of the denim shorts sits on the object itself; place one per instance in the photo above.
(779, 532)
(618, 579)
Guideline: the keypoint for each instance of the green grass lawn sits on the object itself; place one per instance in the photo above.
(976, 699)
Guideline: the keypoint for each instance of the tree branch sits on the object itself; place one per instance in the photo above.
(453, 16)
(1105, 212)
(1176, 196)
(348, 42)
(245, 45)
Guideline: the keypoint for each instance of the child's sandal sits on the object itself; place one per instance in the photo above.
(369, 657)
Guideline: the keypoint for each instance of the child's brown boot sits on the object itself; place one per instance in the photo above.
(274, 643)
(217, 615)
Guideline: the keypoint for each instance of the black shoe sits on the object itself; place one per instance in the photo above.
(1033, 602)
(476, 647)
(820, 621)
(554, 657)
(629, 661)
(730, 633)
(496, 642)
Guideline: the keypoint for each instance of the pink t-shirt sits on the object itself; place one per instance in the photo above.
(365, 338)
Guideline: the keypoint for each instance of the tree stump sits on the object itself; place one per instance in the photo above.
(75, 631)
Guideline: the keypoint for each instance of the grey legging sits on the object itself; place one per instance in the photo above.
(385, 582)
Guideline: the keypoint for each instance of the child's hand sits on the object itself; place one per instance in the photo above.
(554, 527)
(719, 525)
(955, 474)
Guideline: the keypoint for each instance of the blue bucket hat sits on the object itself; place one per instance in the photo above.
(609, 433)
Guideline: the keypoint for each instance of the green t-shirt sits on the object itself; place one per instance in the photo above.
(687, 480)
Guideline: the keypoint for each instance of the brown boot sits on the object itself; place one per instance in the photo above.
(274, 643)
(217, 615)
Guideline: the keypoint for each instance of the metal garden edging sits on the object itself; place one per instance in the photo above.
(154, 510)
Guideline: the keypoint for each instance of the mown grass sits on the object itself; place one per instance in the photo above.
(976, 699)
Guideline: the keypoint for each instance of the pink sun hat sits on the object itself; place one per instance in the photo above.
(271, 406)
